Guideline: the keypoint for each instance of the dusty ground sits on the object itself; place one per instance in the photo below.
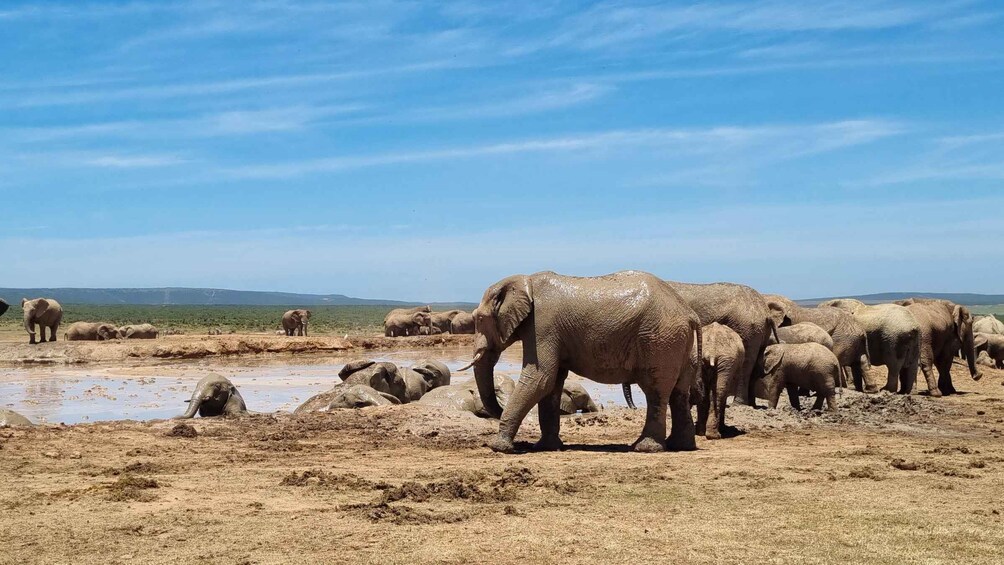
(889, 479)
(14, 348)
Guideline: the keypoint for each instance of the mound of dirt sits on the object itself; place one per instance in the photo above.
(182, 430)
(131, 487)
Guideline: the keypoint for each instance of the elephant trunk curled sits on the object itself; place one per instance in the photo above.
(193, 407)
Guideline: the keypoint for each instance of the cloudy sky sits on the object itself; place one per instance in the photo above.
(422, 150)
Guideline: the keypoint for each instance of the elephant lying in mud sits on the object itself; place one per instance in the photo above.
(92, 331)
(139, 331)
(10, 419)
(993, 345)
(791, 366)
(987, 361)
(46, 313)
(465, 397)
(360, 396)
(215, 395)
(988, 324)
(384, 378)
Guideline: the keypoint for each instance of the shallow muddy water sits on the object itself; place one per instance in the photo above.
(150, 391)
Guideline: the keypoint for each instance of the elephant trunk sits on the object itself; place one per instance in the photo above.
(969, 347)
(484, 375)
(193, 407)
(28, 325)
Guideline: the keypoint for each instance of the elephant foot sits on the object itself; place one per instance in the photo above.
(713, 433)
(549, 444)
(935, 392)
(648, 445)
(681, 443)
(502, 445)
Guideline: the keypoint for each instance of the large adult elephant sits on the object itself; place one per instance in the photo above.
(294, 322)
(443, 321)
(850, 344)
(399, 317)
(945, 328)
(46, 313)
(988, 325)
(407, 323)
(463, 323)
(893, 335)
(626, 327)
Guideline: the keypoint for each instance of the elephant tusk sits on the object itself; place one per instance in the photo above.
(477, 358)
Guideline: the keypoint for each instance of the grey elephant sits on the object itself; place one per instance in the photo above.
(626, 327)
(407, 323)
(462, 323)
(465, 396)
(893, 335)
(791, 366)
(993, 345)
(722, 362)
(11, 419)
(575, 398)
(945, 328)
(405, 385)
(984, 359)
(46, 313)
(3, 306)
(359, 396)
(294, 322)
(742, 309)
(988, 325)
(805, 332)
(215, 395)
(850, 344)
(139, 331)
(429, 330)
(443, 321)
(92, 331)
(215, 331)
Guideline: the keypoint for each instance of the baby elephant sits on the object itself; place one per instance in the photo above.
(359, 396)
(92, 331)
(139, 331)
(575, 398)
(805, 365)
(215, 396)
(723, 353)
(993, 345)
(805, 332)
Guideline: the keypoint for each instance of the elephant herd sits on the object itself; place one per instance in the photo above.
(47, 314)
(421, 320)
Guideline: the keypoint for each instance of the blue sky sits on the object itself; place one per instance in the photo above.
(423, 150)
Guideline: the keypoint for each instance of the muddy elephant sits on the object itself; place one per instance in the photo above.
(11, 419)
(745, 311)
(805, 332)
(850, 344)
(988, 325)
(984, 359)
(463, 323)
(429, 330)
(3, 306)
(791, 366)
(945, 328)
(626, 327)
(443, 321)
(360, 396)
(575, 398)
(400, 321)
(893, 335)
(721, 364)
(139, 331)
(294, 322)
(465, 396)
(92, 331)
(993, 345)
(215, 395)
(46, 313)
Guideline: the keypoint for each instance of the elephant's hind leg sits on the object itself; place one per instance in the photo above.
(52, 332)
(682, 436)
(653, 435)
(549, 416)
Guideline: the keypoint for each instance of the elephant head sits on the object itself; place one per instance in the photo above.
(214, 395)
(383, 377)
(108, 332)
(504, 307)
(772, 358)
(3, 306)
(435, 373)
(963, 321)
(422, 320)
(361, 396)
(779, 313)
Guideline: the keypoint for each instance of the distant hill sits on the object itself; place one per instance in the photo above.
(963, 298)
(189, 296)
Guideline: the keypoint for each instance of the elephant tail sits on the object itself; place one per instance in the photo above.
(627, 395)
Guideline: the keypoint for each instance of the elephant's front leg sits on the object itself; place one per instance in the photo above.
(549, 416)
(535, 382)
(793, 399)
(41, 333)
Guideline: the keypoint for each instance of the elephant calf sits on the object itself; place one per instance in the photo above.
(215, 395)
(465, 396)
(801, 365)
(805, 332)
(723, 356)
(139, 331)
(987, 361)
(386, 379)
(92, 331)
(993, 345)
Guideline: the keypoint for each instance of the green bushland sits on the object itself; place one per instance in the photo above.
(336, 320)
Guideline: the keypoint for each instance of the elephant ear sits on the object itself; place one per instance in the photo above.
(41, 305)
(512, 305)
(768, 367)
(428, 375)
(354, 366)
(960, 314)
(778, 313)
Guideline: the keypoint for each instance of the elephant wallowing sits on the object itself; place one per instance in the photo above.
(92, 331)
(46, 313)
(626, 327)
(10, 419)
(215, 395)
(988, 325)
(139, 331)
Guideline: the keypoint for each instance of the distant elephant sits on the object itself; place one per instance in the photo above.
(791, 366)
(139, 331)
(745, 311)
(92, 331)
(465, 396)
(626, 327)
(463, 323)
(429, 330)
(987, 361)
(174, 331)
(3, 306)
(295, 322)
(406, 323)
(806, 332)
(215, 331)
(988, 325)
(575, 398)
(11, 419)
(215, 395)
(850, 344)
(443, 321)
(280, 332)
(993, 345)
(893, 334)
(945, 328)
(45, 312)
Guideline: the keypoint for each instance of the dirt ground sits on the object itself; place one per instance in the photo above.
(888, 479)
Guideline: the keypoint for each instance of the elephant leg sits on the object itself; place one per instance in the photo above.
(908, 377)
(549, 416)
(892, 377)
(945, 377)
(535, 382)
(653, 435)
(793, 398)
(721, 398)
(41, 333)
(52, 332)
(703, 411)
(682, 436)
(932, 384)
(752, 370)
(858, 376)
